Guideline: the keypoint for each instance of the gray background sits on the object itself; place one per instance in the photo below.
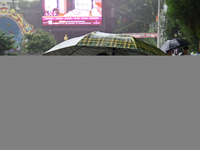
(99, 103)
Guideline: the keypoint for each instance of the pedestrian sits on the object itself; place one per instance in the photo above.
(169, 52)
(176, 51)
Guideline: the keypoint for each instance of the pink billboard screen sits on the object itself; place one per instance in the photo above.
(72, 12)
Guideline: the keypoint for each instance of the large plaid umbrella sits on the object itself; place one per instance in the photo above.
(97, 42)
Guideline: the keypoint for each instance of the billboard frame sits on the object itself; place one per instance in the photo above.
(76, 27)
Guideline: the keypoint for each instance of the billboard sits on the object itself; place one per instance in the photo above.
(72, 13)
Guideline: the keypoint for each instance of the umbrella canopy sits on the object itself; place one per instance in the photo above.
(173, 44)
(97, 42)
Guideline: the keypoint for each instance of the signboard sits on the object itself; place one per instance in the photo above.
(72, 12)
(143, 35)
(14, 24)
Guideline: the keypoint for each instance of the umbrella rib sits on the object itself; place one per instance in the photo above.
(132, 50)
(133, 40)
(141, 52)
(76, 50)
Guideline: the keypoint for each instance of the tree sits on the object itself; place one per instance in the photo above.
(39, 42)
(135, 15)
(186, 14)
(6, 42)
(172, 29)
(12, 5)
(25, 4)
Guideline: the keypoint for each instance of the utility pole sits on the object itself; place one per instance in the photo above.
(158, 38)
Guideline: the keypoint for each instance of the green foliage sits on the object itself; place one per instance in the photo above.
(186, 14)
(23, 4)
(6, 42)
(35, 4)
(39, 42)
(151, 41)
(171, 29)
(135, 15)
(12, 5)
(12, 54)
